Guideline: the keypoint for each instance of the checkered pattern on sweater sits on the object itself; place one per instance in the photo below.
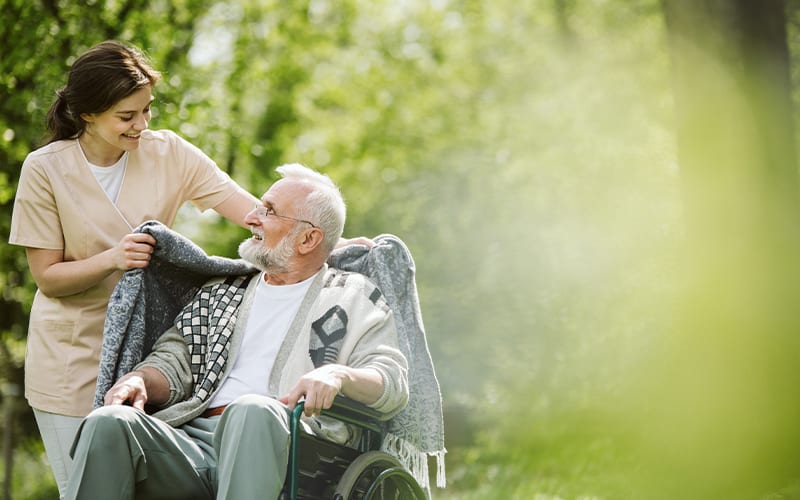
(207, 335)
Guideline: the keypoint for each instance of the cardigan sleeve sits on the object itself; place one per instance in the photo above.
(392, 366)
(170, 356)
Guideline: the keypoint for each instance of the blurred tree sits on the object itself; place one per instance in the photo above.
(724, 393)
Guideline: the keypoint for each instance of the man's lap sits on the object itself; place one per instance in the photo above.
(146, 452)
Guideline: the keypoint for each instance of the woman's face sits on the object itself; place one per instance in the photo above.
(119, 127)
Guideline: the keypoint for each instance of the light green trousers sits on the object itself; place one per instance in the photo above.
(121, 453)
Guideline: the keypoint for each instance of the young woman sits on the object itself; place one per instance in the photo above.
(101, 174)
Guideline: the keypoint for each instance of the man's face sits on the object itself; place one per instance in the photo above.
(267, 225)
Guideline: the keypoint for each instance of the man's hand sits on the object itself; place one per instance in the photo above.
(129, 388)
(319, 387)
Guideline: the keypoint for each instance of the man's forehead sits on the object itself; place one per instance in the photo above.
(283, 191)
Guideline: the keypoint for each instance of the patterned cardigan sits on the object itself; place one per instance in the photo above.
(343, 319)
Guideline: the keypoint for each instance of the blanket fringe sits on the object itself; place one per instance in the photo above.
(441, 478)
(416, 461)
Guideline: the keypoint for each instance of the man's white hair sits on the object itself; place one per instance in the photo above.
(324, 206)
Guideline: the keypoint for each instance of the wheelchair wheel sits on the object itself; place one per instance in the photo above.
(376, 475)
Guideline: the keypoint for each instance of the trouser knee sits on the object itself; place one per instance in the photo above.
(253, 415)
(109, 421)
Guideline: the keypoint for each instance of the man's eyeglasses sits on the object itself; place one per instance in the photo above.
(263, 212)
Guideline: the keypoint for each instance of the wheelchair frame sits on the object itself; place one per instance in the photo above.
(320, 469)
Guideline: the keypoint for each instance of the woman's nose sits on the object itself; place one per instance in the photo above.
(140, 123)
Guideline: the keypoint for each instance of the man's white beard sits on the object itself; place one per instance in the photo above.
(270, 260)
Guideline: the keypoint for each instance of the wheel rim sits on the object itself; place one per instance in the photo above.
(376, 475)
(394, 484)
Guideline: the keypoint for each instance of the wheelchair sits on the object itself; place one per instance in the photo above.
(319, 469)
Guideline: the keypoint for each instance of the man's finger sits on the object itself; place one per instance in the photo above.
(114, 398)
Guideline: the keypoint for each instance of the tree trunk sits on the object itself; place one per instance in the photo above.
(734, 110)
(726, 395)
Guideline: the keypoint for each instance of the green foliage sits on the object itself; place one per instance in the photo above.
(32, 480)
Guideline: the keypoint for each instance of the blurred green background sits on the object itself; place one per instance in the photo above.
(601, 197)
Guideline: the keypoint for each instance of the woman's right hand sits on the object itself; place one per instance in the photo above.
(133, 251)
(57, 277)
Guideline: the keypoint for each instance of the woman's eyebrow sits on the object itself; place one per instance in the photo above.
(124, 111)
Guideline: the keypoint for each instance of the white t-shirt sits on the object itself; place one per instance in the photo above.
(110, 178)
(271, 315)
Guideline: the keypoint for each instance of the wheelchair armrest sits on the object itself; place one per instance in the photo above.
(353, 412)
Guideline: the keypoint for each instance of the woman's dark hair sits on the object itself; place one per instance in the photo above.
(98, 79)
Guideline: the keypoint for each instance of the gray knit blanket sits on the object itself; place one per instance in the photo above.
(419, 427)
(146, 301)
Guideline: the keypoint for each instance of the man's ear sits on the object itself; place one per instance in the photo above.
(309, 240)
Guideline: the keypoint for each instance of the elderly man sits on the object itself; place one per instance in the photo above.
(240, 356)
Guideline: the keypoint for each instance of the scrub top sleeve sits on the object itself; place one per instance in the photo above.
(35, 221)
(205, 184)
